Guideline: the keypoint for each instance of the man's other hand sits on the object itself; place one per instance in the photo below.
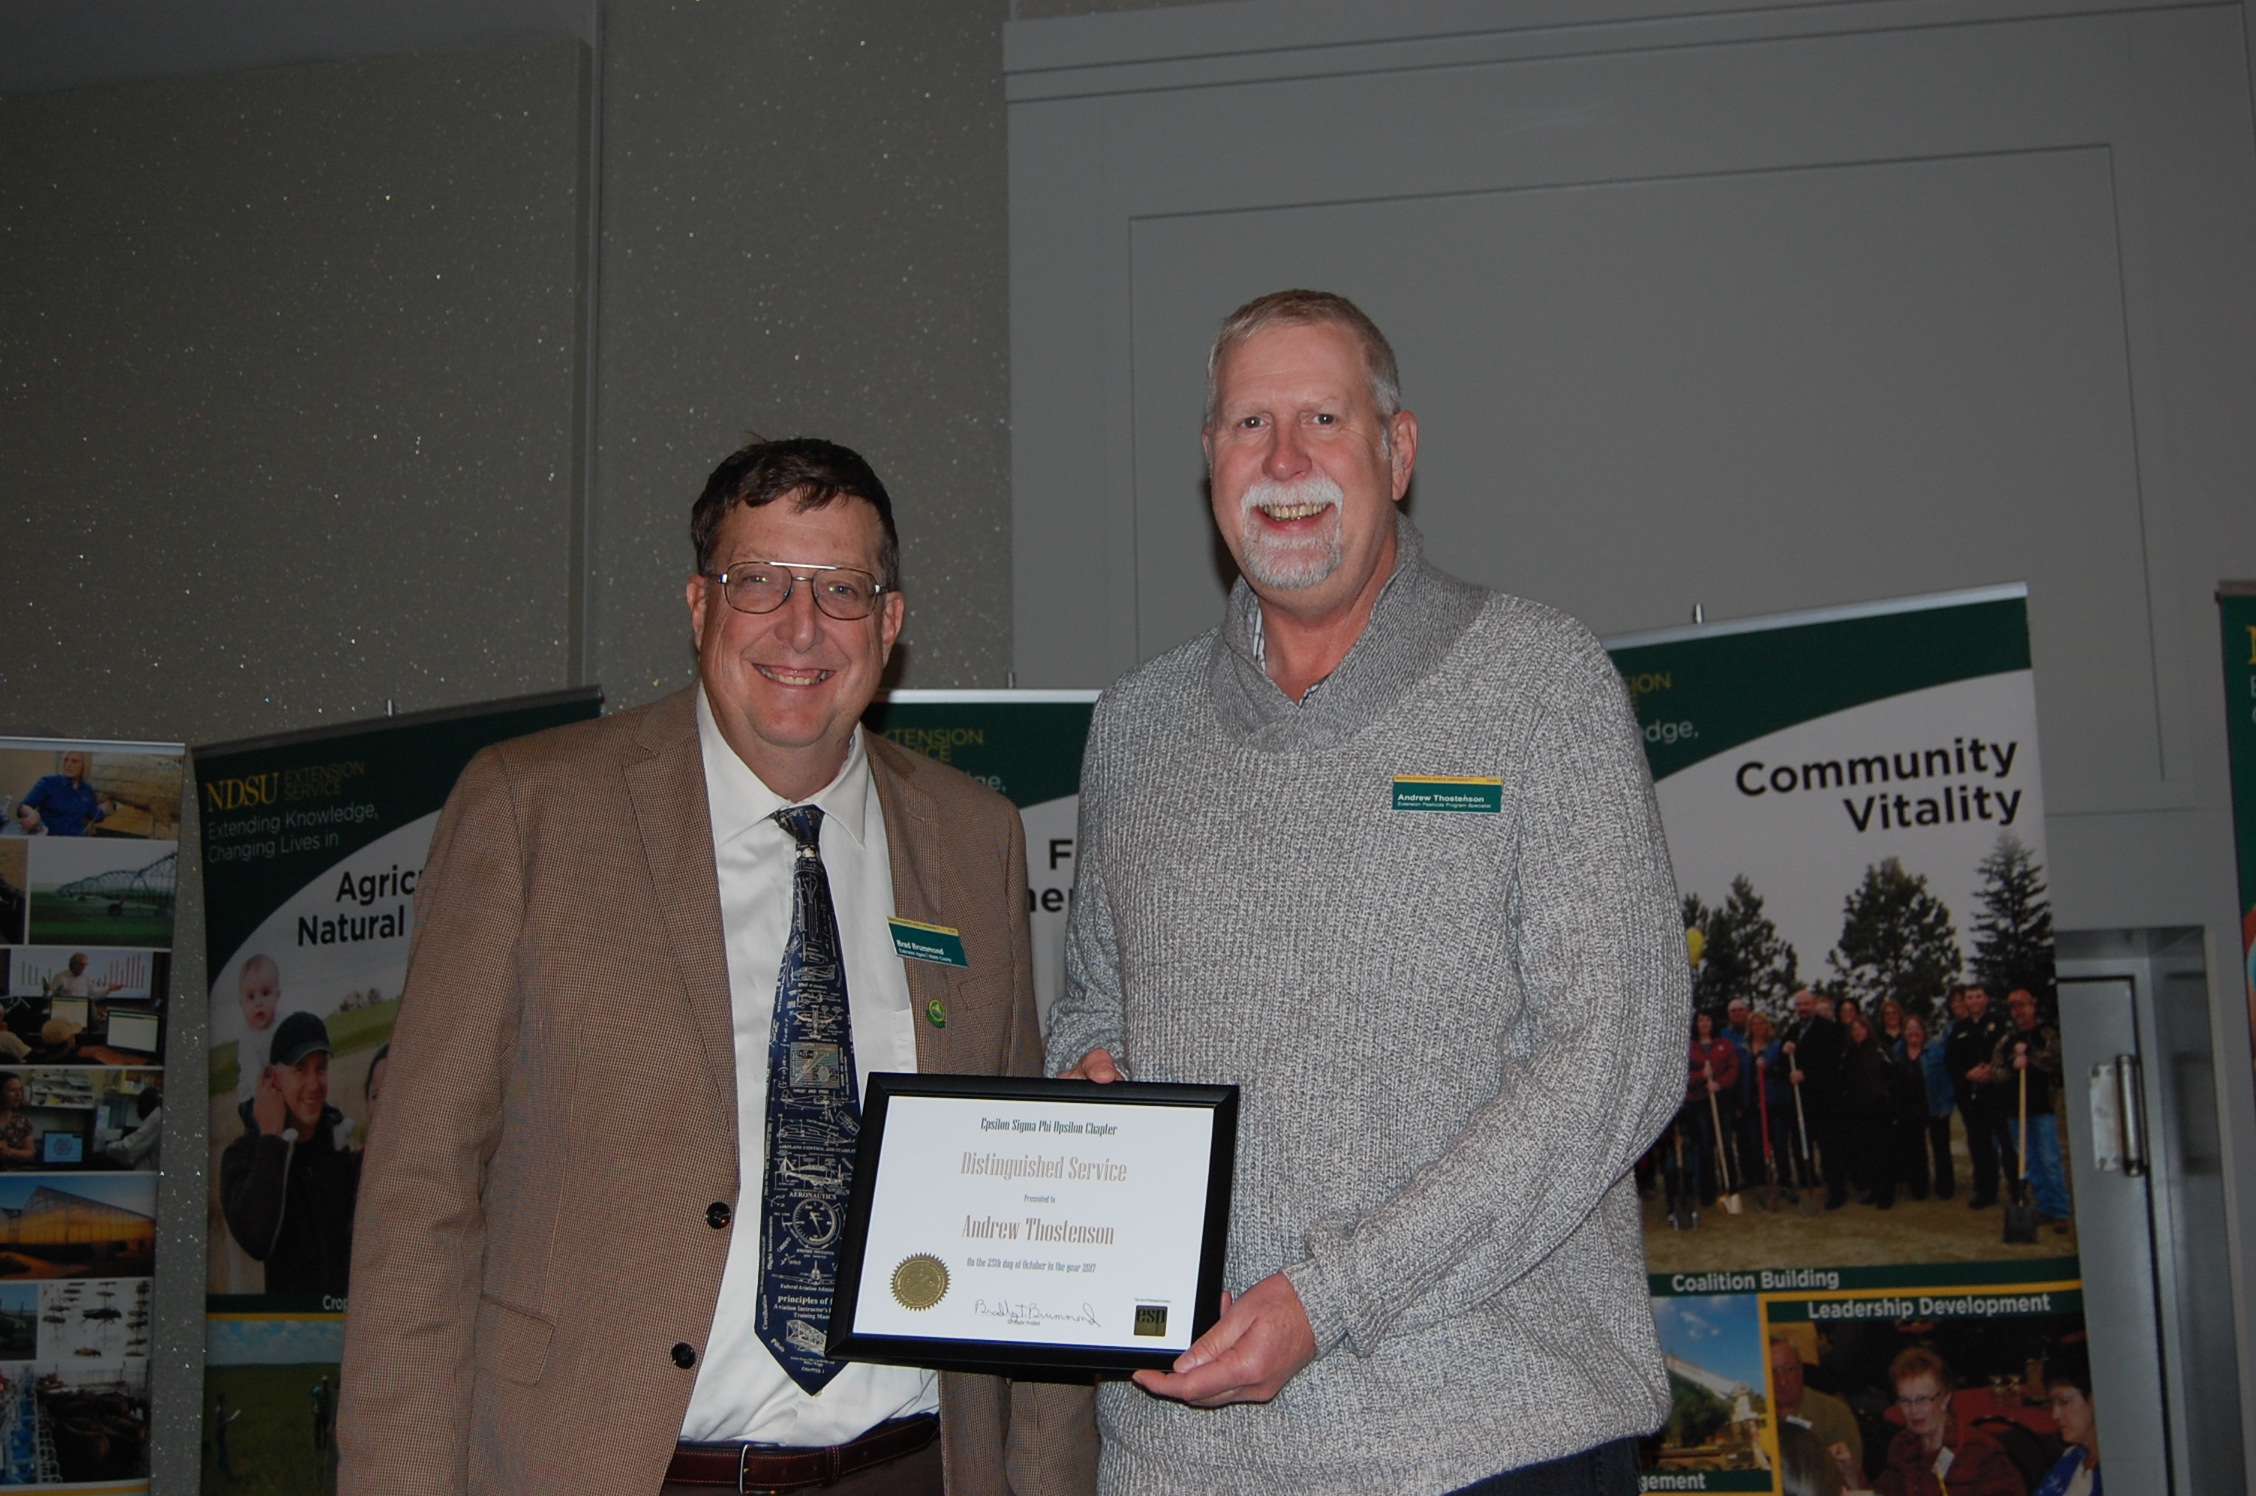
(1257, 1346)
(1096, 1065)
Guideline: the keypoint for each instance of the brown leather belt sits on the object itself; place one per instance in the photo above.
(780, 1467)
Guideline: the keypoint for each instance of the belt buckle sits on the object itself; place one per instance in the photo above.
(743, 1454)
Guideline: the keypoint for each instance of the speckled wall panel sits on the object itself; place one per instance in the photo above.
(805, 232)
(287, 392)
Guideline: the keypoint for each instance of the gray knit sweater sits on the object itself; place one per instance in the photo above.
(1455, 1032)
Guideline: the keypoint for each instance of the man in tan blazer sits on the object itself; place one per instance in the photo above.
(564, 1273)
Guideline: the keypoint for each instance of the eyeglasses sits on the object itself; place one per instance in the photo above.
(845, 593)
(1929, 1401)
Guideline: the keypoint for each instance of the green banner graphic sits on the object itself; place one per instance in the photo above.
(1705, 691)
(1026, 746)
(2236, 605)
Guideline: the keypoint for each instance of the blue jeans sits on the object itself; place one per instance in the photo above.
(2046, 1181)
(1608, 1470)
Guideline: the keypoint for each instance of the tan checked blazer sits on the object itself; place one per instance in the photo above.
(560, 1112)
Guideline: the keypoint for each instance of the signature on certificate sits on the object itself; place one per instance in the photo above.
(1030, 1313)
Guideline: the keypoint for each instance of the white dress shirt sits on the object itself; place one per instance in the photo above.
(741, 1392)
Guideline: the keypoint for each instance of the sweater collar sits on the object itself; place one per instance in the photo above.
(1419, 614)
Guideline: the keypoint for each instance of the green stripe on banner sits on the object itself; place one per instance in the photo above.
(1703, 691)
(1705, 1480)
(2002, 1302)
(1025, 751)
(1942, 1275)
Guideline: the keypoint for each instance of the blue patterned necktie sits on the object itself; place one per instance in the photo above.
(814, 1117)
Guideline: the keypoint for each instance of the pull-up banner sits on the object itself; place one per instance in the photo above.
(2236, 605)
(312, 845)
(89, 861)
(1856, 817)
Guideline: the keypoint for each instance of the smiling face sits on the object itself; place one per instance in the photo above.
(305, 1089)
(1977, 1003)
(74, 767)
(2023, 1007)
(787, 687)
(1703, 1027)
(1305, 473)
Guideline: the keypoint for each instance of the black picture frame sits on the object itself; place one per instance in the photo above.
(1005, 1357)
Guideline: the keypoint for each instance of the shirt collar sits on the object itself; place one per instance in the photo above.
(739, 799)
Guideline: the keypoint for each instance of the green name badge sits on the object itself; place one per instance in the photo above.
(1452, 792)
(915, 941)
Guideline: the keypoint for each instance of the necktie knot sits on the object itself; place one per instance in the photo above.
(804, 822)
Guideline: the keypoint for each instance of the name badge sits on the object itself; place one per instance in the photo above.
(1463, 794)
(916, 941)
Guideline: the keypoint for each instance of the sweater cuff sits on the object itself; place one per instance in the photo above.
(1320, 1301)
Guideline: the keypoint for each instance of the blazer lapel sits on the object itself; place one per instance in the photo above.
(667, 789)
(910, 828)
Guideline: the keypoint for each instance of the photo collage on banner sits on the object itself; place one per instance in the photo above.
(312, 846)
(1860, 1221)
(89, 862)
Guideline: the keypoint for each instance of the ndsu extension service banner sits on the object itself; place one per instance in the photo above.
(2236, 605)
(312, 844)
(1853, 804)
(89, 861)
(1026, 746)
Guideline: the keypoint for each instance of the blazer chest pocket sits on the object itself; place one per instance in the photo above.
(512, 1344)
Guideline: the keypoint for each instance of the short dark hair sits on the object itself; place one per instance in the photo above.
(813, 470)
(2070, 1366)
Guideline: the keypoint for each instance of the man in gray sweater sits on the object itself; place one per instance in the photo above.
(1382, 850)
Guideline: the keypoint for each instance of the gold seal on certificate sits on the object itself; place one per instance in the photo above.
(920, 1281)
(1037, 1224)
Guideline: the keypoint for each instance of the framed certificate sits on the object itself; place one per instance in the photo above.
(1001, 1223)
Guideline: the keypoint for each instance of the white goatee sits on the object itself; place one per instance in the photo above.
(1290, 562)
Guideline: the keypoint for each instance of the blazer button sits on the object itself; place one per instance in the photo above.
(717, 1214)
(684, 1357)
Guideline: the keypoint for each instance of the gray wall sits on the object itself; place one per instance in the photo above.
(287, 425)
(296, 387)
(299, 344)
(804, 234)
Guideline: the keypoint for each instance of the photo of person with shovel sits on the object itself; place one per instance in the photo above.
(1719, 1059)
(1692, 1157)
(2031, 1050)
(1813, 1047)
(1771, 1101)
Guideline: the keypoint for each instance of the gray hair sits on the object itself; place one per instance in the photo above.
(1301, 309)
